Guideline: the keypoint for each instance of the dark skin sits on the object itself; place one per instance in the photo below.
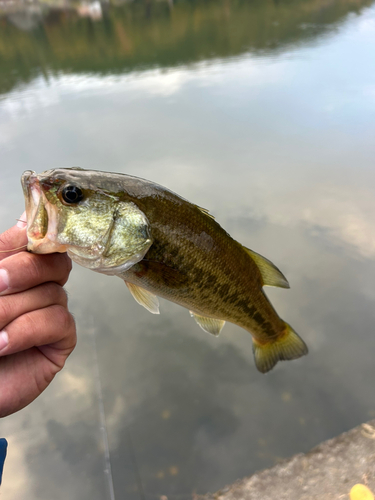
(37, 331)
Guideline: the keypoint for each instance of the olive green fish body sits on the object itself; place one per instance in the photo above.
(202, 268)
(160, 245)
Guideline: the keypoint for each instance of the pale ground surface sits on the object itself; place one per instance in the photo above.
(327, 472)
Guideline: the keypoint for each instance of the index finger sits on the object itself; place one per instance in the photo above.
(14, 240)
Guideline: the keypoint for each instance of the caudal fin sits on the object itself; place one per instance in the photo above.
(288, 346)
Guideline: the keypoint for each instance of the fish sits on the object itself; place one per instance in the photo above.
(161, 245)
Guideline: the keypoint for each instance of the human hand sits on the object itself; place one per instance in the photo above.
(37, 332)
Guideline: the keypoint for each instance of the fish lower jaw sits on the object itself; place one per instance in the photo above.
(45, 245)
(100, 264)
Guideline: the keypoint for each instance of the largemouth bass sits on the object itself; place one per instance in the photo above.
(160, 245)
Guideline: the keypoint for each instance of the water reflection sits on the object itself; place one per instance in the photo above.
(176, 432)
(107, 39)
(279, 146)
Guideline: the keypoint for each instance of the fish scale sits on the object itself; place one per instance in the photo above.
(217, 286)
(161, 245)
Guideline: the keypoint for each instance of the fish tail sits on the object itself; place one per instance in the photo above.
(288, 346)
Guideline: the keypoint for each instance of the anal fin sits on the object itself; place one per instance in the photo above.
(287, 346)
(144, 298)
(209, 325)
(271, 275)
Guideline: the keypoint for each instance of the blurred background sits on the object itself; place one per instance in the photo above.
(261, 111)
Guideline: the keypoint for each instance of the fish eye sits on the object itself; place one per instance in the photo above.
(72, 194)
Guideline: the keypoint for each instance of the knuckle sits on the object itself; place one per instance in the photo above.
(65, 267)
(63, 318)
(69, 264)
(63, 296)
(73, 333)
(55, 293)
(67, 327)
(60, 265)
(72, 329)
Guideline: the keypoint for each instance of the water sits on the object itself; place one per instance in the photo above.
(262, 112)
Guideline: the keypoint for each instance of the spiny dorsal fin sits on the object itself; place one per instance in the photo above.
(209, 325)
(206, 212)
(270, 274)
(288, 346)
(144, 298)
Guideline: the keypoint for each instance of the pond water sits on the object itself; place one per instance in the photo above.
(261, 111)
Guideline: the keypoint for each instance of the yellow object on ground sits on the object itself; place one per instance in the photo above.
(361, 492)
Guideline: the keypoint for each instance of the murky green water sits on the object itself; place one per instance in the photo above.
(261, 111)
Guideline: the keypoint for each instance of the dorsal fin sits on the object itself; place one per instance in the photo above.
(270, 274)
(205, 212)
(209, 325)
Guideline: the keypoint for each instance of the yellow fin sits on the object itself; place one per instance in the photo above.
(288, 346)
(206, 212)
(270, 274)
(209, 325)
(144, 298)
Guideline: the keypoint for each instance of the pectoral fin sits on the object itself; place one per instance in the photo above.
(210, 325)
(144, 298)
(270, 274)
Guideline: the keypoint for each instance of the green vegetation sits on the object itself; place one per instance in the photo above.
(147, 33)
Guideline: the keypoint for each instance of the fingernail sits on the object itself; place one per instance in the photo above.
(4, 280)
(22, 221)
(4, 339)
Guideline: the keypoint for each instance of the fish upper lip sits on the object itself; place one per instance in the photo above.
(27, 178)
(41, 237)
(33, 199)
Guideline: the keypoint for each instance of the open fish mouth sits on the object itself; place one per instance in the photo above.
(42, 217)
